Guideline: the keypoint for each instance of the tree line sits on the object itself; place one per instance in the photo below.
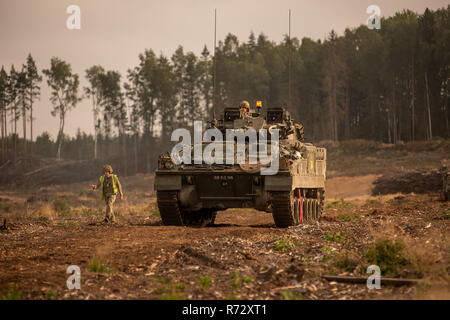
(389, 85)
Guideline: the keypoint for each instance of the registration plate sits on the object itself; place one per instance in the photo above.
(223, 177)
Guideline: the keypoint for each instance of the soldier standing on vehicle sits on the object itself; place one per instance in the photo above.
(109, 185)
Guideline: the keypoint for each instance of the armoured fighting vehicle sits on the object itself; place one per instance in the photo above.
(192, 194)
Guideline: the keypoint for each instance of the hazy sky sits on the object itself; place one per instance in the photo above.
(114, 32)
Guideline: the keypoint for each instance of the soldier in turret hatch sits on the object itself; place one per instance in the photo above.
(244, 108)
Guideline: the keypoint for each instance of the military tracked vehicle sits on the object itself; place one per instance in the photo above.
(192, 194)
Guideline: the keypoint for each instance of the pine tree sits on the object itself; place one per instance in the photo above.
(64, 96)
(3, 105)
(32, 89)
(93, 75)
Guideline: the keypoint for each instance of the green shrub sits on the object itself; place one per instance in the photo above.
(388, 255)
(444, 216)
(339, 237)
(52, 295)
(284, 244)
(61, 207)
(13, 293)
(154, 213)
(97, 265)
(291, 295)
(328, 254)
(171, 291)
(346, 261)
(340, 204)
(205, 282)
(162, 280)
(236, 281)
(247, 279)
(231, 296)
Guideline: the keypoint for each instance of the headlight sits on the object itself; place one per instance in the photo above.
(168, 165)
(165, 163)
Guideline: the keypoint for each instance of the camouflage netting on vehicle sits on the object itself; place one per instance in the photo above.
(417, 181)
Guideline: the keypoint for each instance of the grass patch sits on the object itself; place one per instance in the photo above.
(61, 207)
(236, 281)
(339, 237)
(346, 261)
(162, 280)
(99, 266)
(170, 291)
(291, 295)
(231, 296)
(284, 244)
(52, 295)
(68, 223)
(444, 216)
(247, 280)
(388, 255)
(205, 282)
(13, 293)
(154, 214)
(340, 204)
(328, 254)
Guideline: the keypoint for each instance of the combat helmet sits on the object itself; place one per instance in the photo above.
(108, 168)
(244, 104)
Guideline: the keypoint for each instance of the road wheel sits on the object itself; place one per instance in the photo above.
(305, 209)
(297, 211)
(283, 209)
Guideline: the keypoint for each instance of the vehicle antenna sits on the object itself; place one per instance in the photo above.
(214, 65)
(289, 67)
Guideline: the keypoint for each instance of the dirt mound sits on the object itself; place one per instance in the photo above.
(417, 181)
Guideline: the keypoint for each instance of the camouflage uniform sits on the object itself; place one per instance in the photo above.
(244, 108)
(109, 186)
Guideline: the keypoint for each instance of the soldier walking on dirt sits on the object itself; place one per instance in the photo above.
(109, 185)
